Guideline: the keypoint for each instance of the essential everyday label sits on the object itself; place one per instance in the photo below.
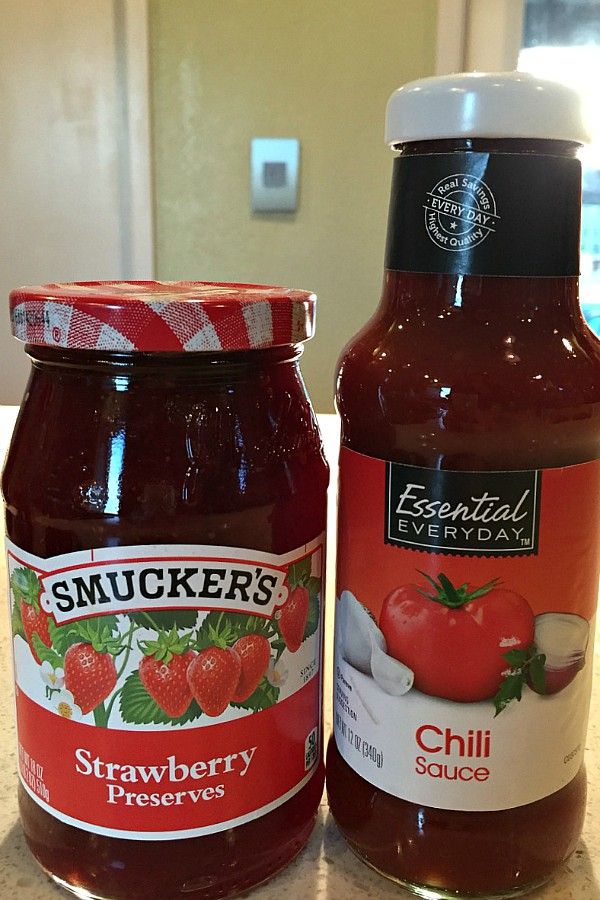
(464, 629)
(166, 691)
(485, 214)
(468, 513)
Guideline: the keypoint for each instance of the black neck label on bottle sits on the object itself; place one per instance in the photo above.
(469, 213)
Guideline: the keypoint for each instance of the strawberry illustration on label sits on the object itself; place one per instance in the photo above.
(26, 589)
(293, 618)
(458, 641)
(254, 652)
(89, 666)
(90, 675)
(126, 687)
(35, 621)
(213, 677)
(163, 672)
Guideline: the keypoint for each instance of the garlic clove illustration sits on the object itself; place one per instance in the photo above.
(356, 631)
(392, 676)
(563, 639)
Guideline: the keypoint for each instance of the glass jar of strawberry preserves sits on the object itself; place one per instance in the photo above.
(165, 507)
(469, 502)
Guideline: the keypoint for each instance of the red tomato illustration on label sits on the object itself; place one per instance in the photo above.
(35, 621)
(455, 638)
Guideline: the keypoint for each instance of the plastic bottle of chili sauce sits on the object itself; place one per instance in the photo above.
(165, 505)
(469, 502)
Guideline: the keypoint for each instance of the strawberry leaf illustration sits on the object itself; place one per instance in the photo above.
(258, 625)
(137, 707)
(299, 573)
(223, 629)
(166, 645)
(107, 625)
(62, 636)
(26, 586)
(46, 654)
(166, 618)
(264, 696)
(312, 623)
(17, 622)
(102, 632)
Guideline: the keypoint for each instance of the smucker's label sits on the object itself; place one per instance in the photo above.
(472, 213)
(166, 691)
(464, 629)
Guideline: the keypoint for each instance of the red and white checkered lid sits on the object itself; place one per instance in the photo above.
(161, 316)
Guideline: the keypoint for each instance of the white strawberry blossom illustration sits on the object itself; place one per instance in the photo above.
(54, 678)
(64, 704)
(277, 674)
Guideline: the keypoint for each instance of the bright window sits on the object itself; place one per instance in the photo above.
(561, 41)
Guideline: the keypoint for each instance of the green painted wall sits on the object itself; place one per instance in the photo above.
(223, 71)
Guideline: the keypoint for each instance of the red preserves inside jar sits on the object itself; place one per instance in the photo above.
(165, 507)
(468, 520)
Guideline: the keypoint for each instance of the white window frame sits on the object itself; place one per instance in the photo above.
(478, 35)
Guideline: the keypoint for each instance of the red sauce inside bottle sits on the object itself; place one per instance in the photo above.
(478, 373)
(216, 448)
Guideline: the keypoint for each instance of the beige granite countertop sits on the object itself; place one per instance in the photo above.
(326, 868)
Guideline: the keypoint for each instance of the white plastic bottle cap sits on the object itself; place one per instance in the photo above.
(494, 105)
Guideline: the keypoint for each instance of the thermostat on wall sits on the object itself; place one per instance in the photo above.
(274, 174)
